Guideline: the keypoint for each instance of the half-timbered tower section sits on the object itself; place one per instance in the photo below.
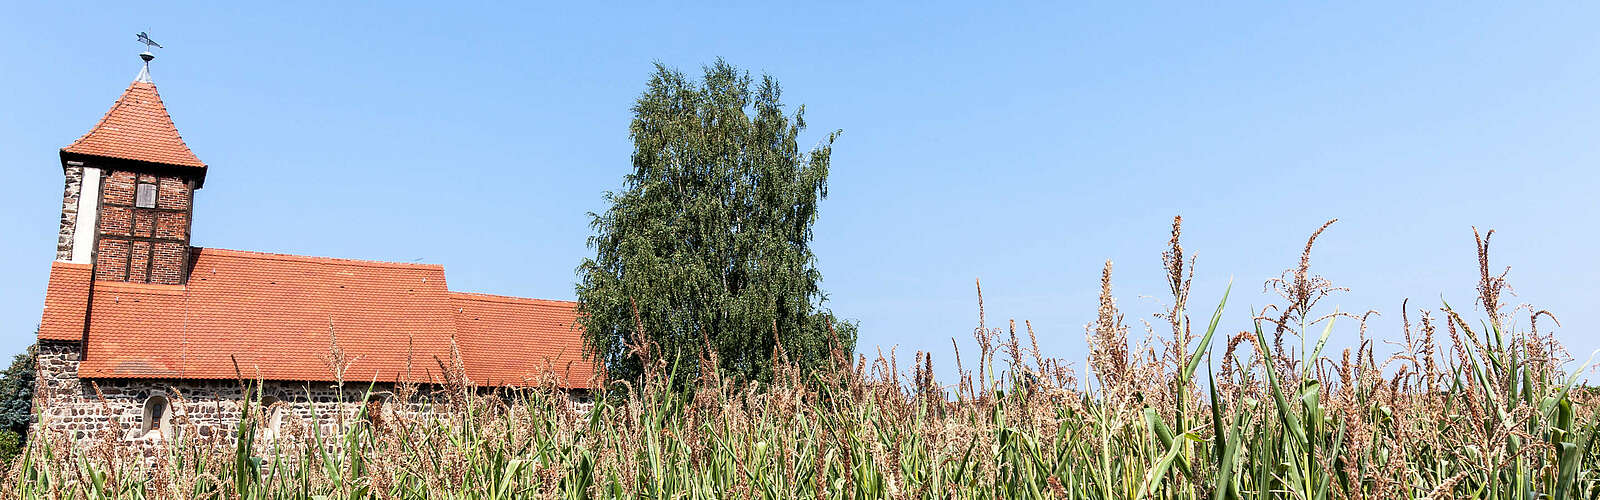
(128, 203)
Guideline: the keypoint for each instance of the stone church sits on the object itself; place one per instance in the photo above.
(141, 325)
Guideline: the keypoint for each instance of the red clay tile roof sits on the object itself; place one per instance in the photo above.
(137, 127)
(64, 300)
(272, 314)
(515, 341)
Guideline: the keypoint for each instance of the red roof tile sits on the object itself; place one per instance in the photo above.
(273, 313)
(137, 127)
(64, 300)
(515, 341)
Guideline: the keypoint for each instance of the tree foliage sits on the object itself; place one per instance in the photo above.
(710, 238)
(16, 393)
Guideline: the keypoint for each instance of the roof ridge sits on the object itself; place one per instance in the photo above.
(489, 297)
(228, 252)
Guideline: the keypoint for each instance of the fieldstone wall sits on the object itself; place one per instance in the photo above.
(212, 409)
(69, 210)
(90, 410)
(57, 370)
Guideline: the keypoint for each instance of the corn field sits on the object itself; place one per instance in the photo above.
(1472, 402)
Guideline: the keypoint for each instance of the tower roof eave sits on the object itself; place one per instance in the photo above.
(198, 174)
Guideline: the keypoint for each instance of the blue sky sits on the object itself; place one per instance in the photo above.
(1023, 145)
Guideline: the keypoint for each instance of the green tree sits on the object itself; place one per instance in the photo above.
(710, 237)
(16, 392)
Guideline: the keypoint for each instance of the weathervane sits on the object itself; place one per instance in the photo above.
(144, 38)
(144, 73)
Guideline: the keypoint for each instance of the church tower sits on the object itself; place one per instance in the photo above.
(128, 203)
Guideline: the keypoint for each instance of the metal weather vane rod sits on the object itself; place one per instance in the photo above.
(144, 38)
(144, 73)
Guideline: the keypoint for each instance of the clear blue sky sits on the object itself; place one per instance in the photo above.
(1023, 145)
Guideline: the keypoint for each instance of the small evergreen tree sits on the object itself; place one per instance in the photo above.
(710, 236)
(16, 392)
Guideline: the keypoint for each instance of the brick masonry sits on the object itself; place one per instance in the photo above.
(126, 251)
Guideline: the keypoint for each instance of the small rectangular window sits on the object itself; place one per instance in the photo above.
(146, 196)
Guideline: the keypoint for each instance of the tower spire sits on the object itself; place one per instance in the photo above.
(137, 126)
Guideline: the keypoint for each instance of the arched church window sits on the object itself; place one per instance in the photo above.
(373, 411)
(157, 419)
(271, 416)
